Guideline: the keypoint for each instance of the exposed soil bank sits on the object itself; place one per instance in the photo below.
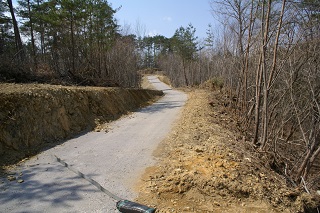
(33, 115)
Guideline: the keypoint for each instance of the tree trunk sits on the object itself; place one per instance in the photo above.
(246, 63)
(267, 85)
(312, 159)
(259, 74)
(185, 73)
(264, 74)
(34, 54)
(17, 37)
(72, 42)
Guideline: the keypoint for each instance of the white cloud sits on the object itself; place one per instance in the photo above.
(167, 18)
(153, 33)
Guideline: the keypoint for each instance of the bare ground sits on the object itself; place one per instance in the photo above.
(204, 165)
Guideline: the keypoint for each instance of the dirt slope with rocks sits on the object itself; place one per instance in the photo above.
(204, 166)
(36, 115)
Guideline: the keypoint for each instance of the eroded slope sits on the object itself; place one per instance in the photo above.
(33, 115)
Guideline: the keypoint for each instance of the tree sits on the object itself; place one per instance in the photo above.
(6, 37)
(70, 39)
(209, 41)
(237, 16)
(278, 78)
(237, 11)
(151, 48)
(310, 16)
(185, 43)
(18, 41)
(26, 12)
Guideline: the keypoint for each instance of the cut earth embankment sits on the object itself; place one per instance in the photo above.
(33, 116)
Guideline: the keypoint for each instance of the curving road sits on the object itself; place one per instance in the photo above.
(115, 159)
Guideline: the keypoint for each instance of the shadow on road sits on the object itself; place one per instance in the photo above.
(60, 191)
(160, 106)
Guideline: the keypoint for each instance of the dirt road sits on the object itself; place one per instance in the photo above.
(115, 158)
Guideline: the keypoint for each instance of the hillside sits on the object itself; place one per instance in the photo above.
(205, 166)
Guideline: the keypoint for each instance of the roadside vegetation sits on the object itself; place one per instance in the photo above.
(265, 61)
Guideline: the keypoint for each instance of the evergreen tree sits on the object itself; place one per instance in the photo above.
(74, 38)
(26, 12)
(209, 41)
(7, 42)
(18, 41)
(185, 42)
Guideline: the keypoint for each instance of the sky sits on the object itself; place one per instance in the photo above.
(163, 17)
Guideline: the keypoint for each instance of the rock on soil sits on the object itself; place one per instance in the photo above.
(204, 167)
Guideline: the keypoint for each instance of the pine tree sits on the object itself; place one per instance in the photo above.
(7, 43)
(26, 12)
(18, 41)
(185, 44)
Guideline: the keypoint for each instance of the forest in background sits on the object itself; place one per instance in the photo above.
(67, 41)
(264, 58)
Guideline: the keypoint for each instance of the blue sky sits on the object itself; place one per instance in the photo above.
(163, 17)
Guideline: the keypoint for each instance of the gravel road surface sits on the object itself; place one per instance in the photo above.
(116, 159)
